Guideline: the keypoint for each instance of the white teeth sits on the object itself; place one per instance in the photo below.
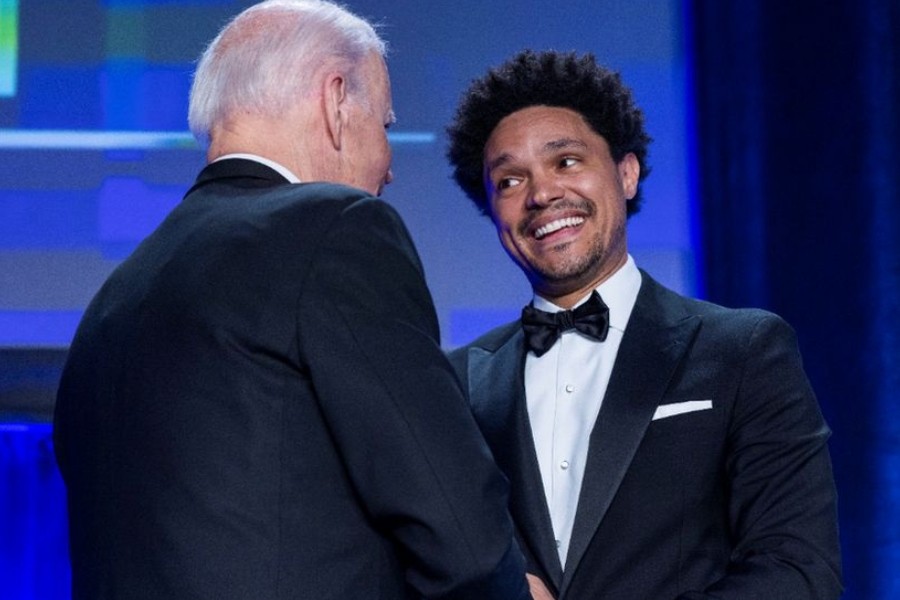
(557, 225)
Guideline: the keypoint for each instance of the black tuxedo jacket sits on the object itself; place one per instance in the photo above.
(733, 502)
(255, 405)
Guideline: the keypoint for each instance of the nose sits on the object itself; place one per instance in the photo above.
(545, 190)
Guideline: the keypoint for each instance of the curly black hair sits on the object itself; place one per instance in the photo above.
(545, 79)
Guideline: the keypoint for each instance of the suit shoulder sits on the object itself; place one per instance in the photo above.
(336, 208)
(742, 316)
(348, 203)
(329, 197)
(710, 312)
(745, 319)
(734, 327)
(490, 340)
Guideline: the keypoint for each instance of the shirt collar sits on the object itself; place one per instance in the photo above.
(281, 169)
(619, 292)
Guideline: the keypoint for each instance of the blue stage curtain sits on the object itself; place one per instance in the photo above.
(34, 562)
(797, 175)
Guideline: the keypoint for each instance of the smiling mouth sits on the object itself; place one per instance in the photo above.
(556, 225)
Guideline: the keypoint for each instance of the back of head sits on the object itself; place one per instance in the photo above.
(269, 56)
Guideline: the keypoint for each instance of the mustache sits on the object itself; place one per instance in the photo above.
(586, 207)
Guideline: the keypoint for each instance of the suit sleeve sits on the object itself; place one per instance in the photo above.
(368, 332)
(782, 496)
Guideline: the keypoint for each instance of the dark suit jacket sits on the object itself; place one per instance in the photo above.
(255, 406)
(735, 502)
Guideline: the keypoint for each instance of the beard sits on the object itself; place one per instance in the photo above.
(571, 267)
(567, 267)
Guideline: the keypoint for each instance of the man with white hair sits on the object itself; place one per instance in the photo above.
(255, 404)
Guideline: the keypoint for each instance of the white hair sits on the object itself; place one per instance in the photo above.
(268, 56)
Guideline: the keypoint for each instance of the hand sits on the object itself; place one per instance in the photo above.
(539, 591)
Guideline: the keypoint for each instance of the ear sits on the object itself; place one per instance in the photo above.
(629, 174)
(335, 99)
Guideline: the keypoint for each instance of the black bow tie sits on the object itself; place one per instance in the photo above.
(542, 329)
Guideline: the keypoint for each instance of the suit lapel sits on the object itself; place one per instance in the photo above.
(497, 394)
(654, 343)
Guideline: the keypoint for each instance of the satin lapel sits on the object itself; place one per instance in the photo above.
(497, 394)
(653, 346)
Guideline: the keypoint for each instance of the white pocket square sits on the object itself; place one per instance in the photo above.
(679, 408)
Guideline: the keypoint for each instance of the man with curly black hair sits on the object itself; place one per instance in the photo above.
(658, 446)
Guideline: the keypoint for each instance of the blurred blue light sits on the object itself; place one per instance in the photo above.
(61, 139)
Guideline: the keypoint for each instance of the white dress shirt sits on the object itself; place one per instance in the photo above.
(282, 170)
(564, 389)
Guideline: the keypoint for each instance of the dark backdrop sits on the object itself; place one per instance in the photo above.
(797, 175)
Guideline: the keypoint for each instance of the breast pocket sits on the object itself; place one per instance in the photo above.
(683, 435)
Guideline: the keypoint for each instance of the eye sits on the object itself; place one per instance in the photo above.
(567, 161)
(508, 182)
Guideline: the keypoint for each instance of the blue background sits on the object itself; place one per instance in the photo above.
(69, 212)
(743, 206)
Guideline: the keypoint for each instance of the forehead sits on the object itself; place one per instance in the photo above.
(537, 128)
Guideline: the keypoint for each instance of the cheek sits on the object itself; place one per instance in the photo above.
(388, 152)
(384, 150)
(509, 245)
(510, 241)
(501, 225)
(503, 213)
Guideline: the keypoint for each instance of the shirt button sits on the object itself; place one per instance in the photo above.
(570, 388)
(564, 465)
(558, 543)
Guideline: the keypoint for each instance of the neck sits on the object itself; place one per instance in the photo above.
(566, 294)
(271, 139)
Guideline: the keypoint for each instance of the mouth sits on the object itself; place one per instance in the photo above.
(557, 225)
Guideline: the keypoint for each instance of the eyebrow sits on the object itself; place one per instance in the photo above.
(563, 143)
(548, 148)
(503, 158)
